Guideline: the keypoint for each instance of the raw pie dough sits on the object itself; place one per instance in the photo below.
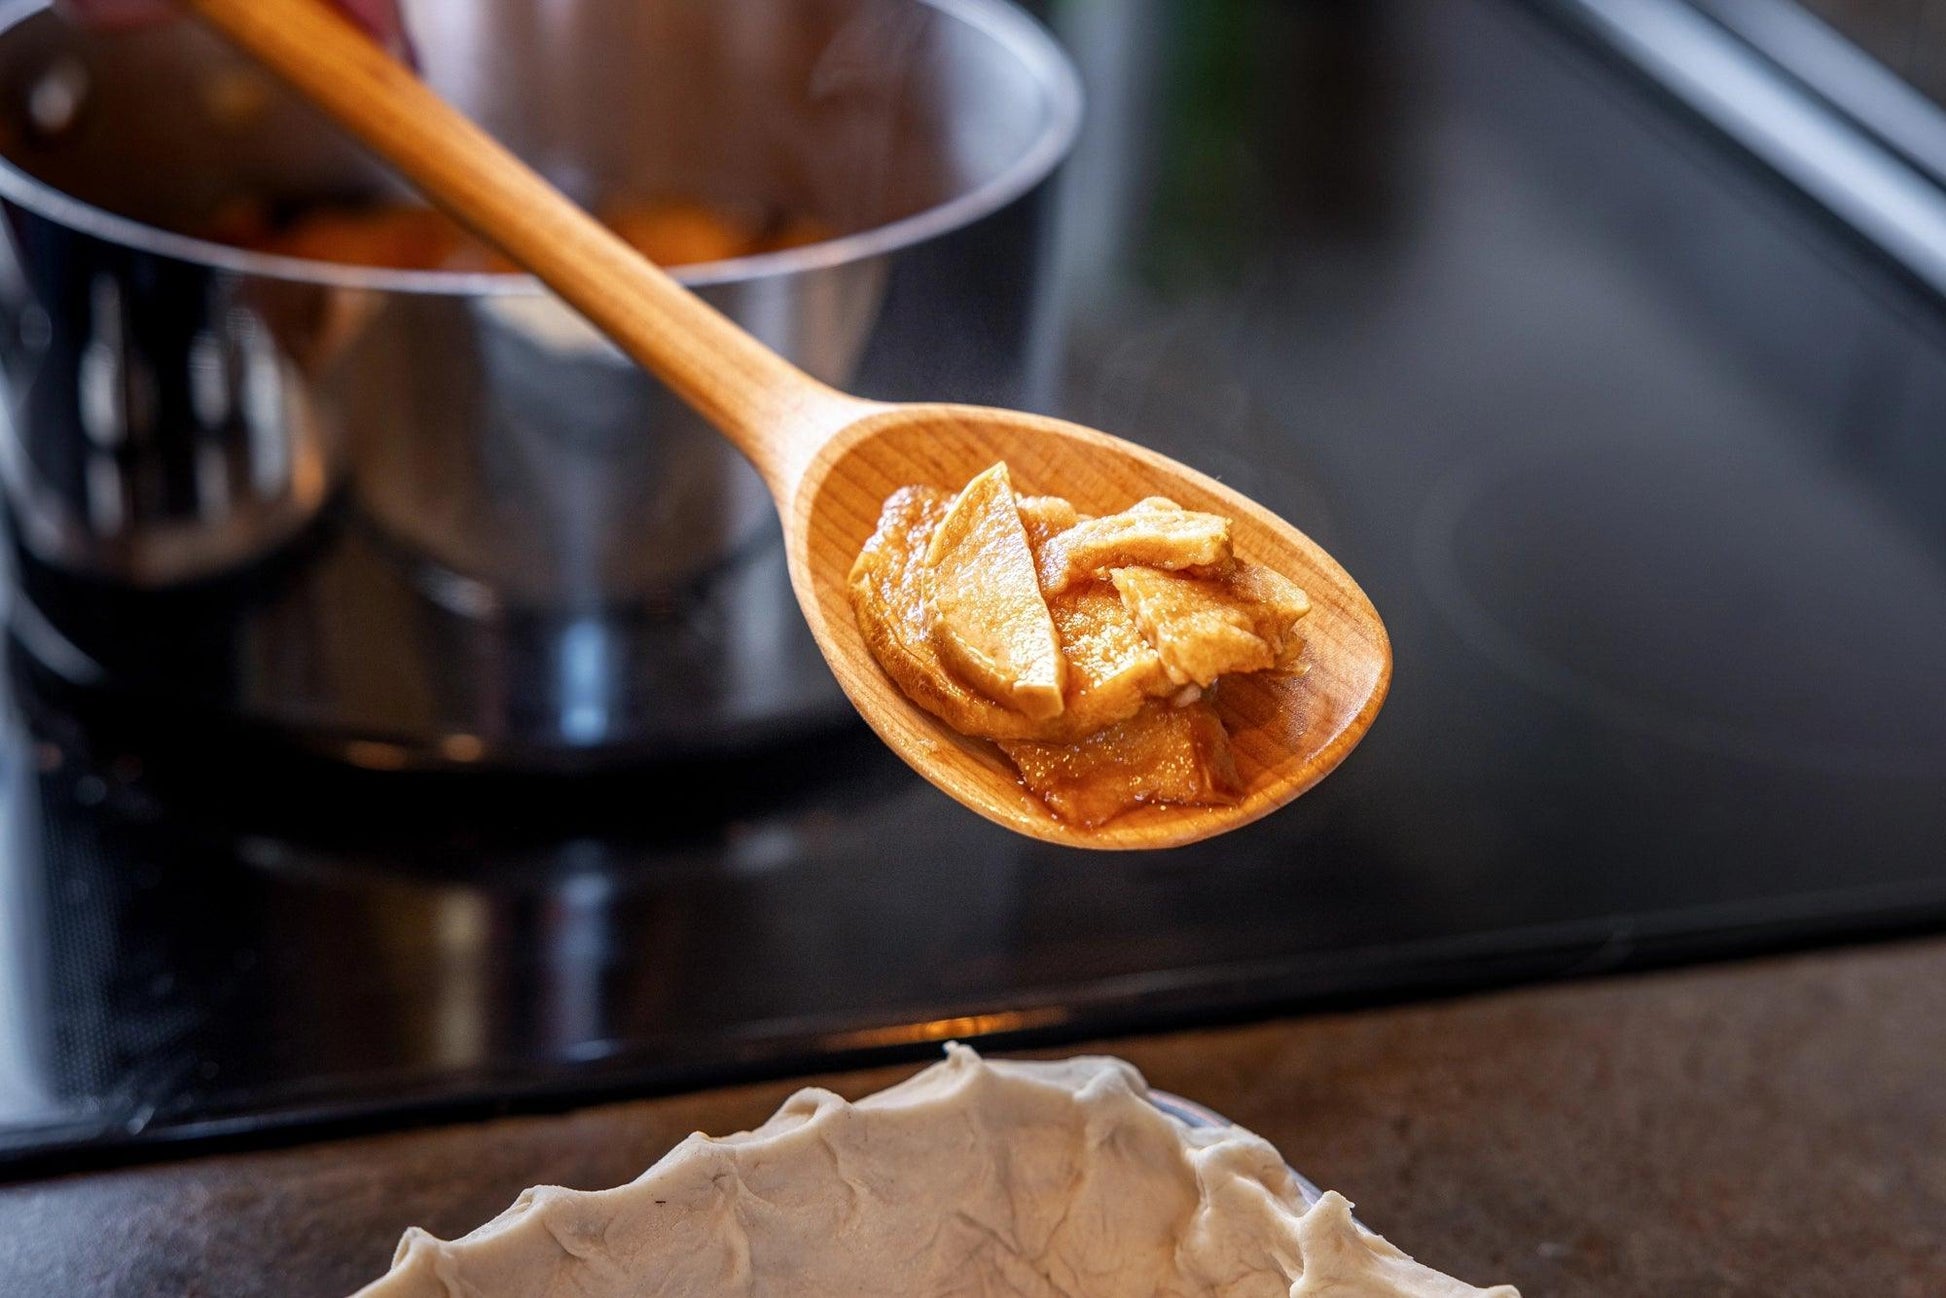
(975, 1177)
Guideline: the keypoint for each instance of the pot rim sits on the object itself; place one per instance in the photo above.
(1017, 32)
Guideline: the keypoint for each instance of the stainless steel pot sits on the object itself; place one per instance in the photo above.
(180, 411)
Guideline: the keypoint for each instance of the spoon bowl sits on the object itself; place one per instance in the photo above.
(1287, 732)
(830, 460)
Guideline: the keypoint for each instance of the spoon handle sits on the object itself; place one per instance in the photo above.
(774, 412)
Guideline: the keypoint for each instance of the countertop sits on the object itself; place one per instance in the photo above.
(1771, 1127)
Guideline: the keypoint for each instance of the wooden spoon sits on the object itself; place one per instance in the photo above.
(830, 459)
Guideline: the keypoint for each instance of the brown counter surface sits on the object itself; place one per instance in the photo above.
(1770, 1128)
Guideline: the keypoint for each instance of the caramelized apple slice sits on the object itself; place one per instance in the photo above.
(1206, 627)
(994, 630)
(1112, 668)
(1281, 605)
(1163, 753)
(1154, 533)
(1045, 517)
(677, 232)
(892, 595)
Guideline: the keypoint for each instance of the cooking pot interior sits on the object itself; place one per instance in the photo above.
(852, 112)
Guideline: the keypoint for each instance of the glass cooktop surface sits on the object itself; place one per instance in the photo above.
(1636, 447)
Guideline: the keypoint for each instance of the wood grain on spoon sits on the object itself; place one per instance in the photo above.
(830, 459)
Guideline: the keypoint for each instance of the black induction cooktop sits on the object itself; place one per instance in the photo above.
(1628, 411)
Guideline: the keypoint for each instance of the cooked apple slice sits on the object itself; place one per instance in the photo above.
(891, 593)
(1154, 533)
(1161, 754)
(893, 600)
(994, 630)
(1206, 627)
(1112, 668)
(1045, 517)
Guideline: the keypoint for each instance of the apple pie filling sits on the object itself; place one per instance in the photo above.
(1087, 648)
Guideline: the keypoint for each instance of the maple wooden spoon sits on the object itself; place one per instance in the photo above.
(830, 459)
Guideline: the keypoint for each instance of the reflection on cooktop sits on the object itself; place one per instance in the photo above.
(1657, 590)
(1636, 455)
